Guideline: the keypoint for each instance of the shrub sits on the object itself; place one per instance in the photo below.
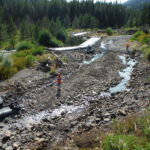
(19, 62)
(109, 31)
(146, 39)
(61, 35)
(148, 56)
(24, 45)
(38, 51)
(29, 60)
(6, 62)
(45, 38)
(10, 45)
(137, 34)
(56, 43)
(1, 57)
(64, 59)
(7, 72)
(22, 53)
(147, 52)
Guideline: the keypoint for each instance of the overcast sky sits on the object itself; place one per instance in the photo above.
(120, 1)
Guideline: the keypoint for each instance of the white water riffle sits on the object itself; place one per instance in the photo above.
(125, 74)
(97, 56)
(105, 44)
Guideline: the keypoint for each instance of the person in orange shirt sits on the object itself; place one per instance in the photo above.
(58, 84)
(127, 46)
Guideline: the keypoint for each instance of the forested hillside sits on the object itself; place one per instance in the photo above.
(24, 19)
(138, 4)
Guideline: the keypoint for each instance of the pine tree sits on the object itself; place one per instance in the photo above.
(11, 28)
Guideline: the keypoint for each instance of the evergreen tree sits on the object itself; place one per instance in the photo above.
(11, 28)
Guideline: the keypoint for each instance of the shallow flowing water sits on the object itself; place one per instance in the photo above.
(125, 74)
(29, 121)
(97, 56)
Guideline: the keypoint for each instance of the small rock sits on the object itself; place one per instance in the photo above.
(106, 114)
(15, 145)
(9, 148)
(39, 140)
(122, 112)
(106, 119)
(7, 136)
(94, 92)
(51, 127)
(45, 120)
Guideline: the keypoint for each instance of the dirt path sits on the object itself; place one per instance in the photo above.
(85, 102)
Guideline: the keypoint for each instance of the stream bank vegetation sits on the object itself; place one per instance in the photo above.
(132, 133)
(47, 23)
(143, 38)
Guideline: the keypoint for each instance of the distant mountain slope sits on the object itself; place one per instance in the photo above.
(138, 4)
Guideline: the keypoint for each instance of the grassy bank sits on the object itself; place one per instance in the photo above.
(132, 133)
(144, 39)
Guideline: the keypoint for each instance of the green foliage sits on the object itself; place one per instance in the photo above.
(65, 59)
(45, 38)
(10, 44)
(74, 41)
(56, 43)
(146, 39)
(7, 72)
(29, 60)
(109, 31)
(38, 51)
(147, 53)
(24, 45)
(26, 30)
(1, 57)
(19, 62)
(23, 62)
(22, 53)
(122, 142)
(11, 28)
(137, 34)
(6, 68)
(53, 71)
(7, 62)
(141, 37)
(62, 36)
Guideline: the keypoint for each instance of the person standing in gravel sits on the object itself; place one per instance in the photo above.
(58, 84)
(127, 46)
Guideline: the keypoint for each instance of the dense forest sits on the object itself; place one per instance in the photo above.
(27, 17)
